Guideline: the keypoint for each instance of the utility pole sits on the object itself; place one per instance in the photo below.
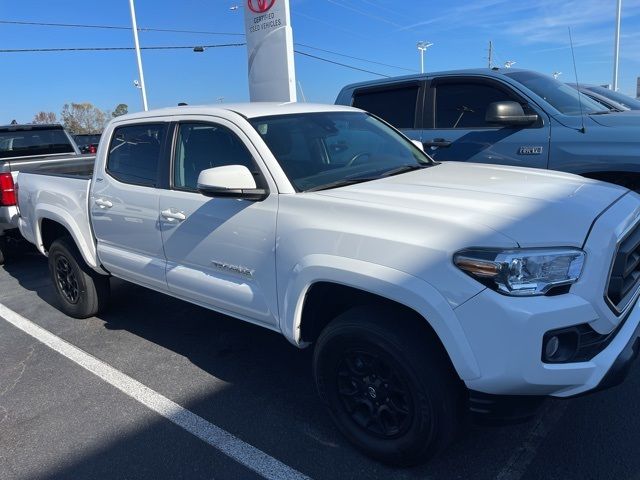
(490, 54)
(616, 47)
(134, 25)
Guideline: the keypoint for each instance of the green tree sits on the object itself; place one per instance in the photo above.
(83, 118)
(121, 109)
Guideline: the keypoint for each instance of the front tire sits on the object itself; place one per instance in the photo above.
(388, 385)
(82, 293)
(3, 249)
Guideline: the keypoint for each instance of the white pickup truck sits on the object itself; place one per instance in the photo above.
(425, 288)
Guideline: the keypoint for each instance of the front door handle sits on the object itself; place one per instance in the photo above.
(437, 142)
(171, 215)
(103, 203)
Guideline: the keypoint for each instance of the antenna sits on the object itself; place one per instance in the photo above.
(575, 72)
(490, 53)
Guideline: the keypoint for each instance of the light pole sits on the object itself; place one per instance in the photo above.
(134, 25)
(616, 46)
(422, 47)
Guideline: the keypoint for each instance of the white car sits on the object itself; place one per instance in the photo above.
(425, 288)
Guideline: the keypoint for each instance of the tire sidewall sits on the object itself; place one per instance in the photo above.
(422, 431)
(80, 308)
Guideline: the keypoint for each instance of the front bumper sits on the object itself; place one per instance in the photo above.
(506, 333)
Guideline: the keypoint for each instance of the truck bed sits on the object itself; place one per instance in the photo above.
(68, 165)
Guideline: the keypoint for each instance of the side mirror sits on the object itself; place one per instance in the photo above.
(231, 181)
(508, 113)
(418, 144)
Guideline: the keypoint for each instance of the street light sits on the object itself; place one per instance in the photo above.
(616, 46)
(142, 87)
(422, 47)
(509, 63)
(556, 74)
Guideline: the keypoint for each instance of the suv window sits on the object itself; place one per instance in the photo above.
(135, 152)
(396, 105)
(206, 145)
(464, 105)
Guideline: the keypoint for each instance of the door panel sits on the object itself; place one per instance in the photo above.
(461, 133)
(125, 215)
(220, 251)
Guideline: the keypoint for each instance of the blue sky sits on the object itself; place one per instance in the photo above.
(531, 32)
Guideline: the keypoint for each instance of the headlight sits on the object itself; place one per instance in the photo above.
(522, 272)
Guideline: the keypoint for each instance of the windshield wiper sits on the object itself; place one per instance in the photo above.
(403, 169)
(351, 181)
(601, 112)
(339, 183)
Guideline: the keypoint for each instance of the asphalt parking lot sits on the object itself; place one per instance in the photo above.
(59, 420)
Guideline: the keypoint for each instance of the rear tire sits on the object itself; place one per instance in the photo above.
(389, 386)
(82, 293)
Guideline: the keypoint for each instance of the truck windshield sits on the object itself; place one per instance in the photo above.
(23, 143)
(621, 98)
(331, 149)
(562, 97)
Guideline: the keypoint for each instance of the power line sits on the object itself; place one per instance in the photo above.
(173, 47)
(115, 27)
(167, 30)
(341, 64)
(354, 58)
(96, 49)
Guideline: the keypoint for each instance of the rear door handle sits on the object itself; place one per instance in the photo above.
(171, 215)
(437, 142)
(103, 203)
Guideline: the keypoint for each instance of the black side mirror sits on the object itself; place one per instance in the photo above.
(508, 113)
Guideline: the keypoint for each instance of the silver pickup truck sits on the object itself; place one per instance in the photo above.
(30, 148)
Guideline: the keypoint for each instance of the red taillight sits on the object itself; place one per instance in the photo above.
(7, 190)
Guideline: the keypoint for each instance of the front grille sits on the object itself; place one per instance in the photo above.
(625, 272)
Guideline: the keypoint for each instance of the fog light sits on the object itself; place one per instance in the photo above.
(552, 347)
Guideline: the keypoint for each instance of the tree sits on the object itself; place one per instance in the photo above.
(44, 117)
(83, 118)
(121, 109)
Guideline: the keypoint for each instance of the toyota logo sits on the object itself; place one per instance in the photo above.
(260, 6)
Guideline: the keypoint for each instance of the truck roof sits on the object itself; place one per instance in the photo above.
(491, 72)
(248, 110)
(30, 126)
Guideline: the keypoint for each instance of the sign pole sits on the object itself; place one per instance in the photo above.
(272, 76)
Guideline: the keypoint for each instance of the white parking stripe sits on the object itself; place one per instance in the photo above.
(243, 453)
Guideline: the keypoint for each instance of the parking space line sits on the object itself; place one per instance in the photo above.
(233, 447)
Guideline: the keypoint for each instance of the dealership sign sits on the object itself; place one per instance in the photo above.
(270, 50)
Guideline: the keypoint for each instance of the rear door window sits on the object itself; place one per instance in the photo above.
(397, 105)
(134, 153)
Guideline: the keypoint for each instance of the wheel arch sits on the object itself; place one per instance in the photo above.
(52, 224)
(357, 282)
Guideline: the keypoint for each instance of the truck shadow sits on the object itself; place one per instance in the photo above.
(254, 384)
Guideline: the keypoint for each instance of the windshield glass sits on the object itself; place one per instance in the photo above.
(562, 97)
(621, 98)
(22, 143)
(327, 149)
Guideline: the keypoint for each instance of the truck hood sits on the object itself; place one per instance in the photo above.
(618, 119)
(532, 207)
